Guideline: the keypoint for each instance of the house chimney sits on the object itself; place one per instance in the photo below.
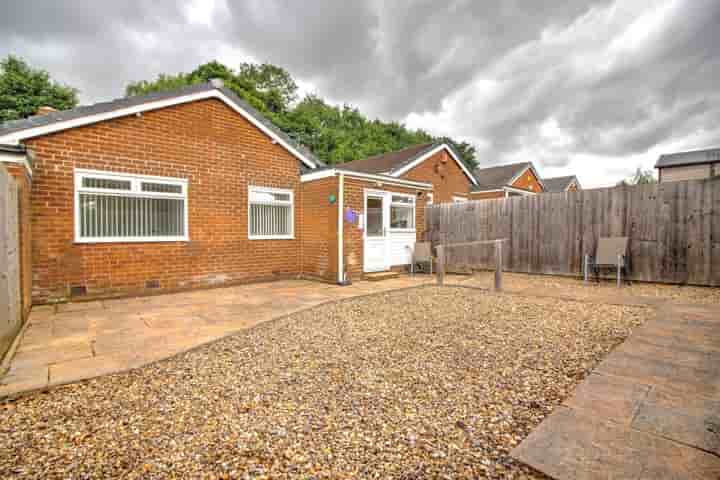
(44, 110)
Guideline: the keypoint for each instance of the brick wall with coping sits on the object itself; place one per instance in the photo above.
(206, 142)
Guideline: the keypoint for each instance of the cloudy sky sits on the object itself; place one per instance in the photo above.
(593, 88)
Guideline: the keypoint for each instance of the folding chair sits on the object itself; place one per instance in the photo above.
(422, 258)
(612, 252)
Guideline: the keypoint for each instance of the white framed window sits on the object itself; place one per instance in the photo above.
(119, 207)
(402, 212)
(270, 213)
(429, 200)
(457, 199)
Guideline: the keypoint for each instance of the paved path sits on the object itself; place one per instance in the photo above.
(650, 410)
(76, 341)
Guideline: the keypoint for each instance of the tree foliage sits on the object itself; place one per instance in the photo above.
(640, 177)
(269, 89)
(24, 89)
(336, 134)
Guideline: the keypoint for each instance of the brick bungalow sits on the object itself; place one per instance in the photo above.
(509, 180)
(192, 188)
(385, 197)
(569, 183)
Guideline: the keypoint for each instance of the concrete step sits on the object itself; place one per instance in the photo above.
(378, 276)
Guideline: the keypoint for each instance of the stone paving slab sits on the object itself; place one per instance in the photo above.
(573, 445)
(650, 410)
(692, 420)
(77, 341)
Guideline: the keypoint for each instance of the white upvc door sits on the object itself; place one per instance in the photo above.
(376, 249)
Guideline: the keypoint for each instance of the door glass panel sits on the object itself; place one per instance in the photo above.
(374, 220)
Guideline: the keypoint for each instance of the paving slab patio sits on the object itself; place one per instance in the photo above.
(650, 410)
(76, 341)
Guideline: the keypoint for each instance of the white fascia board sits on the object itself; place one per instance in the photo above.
(16, 137)
(21, 158)
(519, 190)
(309, 177)
(318, 175)
(488, 190)
(429, 154)
(505, 189)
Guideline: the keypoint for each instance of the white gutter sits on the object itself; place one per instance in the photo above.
(341, 266)
(331, 172)
(505, 190)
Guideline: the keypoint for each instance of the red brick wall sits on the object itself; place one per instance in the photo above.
(446, 176)
(486, 195)
(319, 229)
(528, 181)
(218, 151)
(24, 183)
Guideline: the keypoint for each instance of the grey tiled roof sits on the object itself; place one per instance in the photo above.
(500, 176)
(559, 184)
(388, 162)
(695, 157)
(122, 103)
(391, 162)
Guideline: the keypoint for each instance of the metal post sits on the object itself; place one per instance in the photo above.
(441, 264)
(585, 268)
(498, 266)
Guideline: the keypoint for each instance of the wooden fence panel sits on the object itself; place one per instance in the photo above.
(674, 230)
(10, 297)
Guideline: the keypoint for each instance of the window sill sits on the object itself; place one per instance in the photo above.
(133, 240)
(403, 230)
(272, 237)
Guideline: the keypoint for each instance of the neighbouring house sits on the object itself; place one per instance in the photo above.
(693, 165)
(569, 183)
(506, 181)
(193, 188)
(438, 164)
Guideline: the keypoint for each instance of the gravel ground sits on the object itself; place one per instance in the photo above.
(577, 288)
(423, 383)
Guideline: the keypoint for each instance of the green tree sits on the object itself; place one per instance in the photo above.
(267, 88)
(336, 134)
(24, 89)
(640, 177)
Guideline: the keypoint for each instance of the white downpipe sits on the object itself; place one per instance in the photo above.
(341, 266)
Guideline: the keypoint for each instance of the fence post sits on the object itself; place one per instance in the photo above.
(441, 264)
(619, 260)
(498, 266)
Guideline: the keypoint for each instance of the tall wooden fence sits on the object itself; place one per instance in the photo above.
(674, 230)
(10, 293)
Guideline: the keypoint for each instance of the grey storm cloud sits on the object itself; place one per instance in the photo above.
(555, 80)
